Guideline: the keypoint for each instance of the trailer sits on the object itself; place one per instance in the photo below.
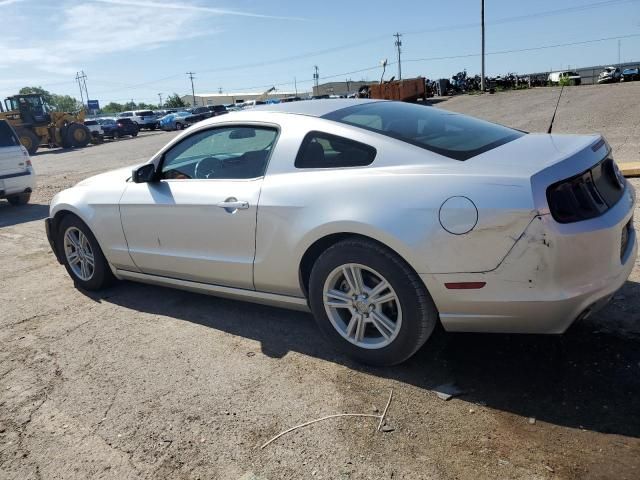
(406, 90)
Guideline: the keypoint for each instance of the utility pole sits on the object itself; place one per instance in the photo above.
(295, 85)
(619, 41)
(78, 79)
(316, 78)
(482, 86)
(84, 82)
(193, 92)
(160, 97)
(398, 44)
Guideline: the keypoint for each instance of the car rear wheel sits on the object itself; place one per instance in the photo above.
(178, 126)
(21, 199)
(82, 255)
(370, 303)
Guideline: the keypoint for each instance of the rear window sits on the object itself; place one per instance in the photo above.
(125, 120)
(90, 122)
(145, 113)
(7, 137)
(446, 133)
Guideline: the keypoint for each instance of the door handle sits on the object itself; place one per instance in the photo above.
(232, 204)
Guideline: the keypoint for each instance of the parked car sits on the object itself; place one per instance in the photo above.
(174, 121)
(610, 75)
(142, 118)
(17, 177)
(217, 110)
(96, 130)
(118, 127)
(630, 74)
(572, 78)
(382, 218)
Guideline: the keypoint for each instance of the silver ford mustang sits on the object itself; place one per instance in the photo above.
(382, 218)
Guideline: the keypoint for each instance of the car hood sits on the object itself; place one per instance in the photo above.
(119, 175)
(535, 152)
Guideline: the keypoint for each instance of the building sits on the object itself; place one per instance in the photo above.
(339, 88)
(227, 98)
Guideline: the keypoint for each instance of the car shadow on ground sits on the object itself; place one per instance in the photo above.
(587, 378)
(10, 215)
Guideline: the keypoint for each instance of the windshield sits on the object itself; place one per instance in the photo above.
(450, 134)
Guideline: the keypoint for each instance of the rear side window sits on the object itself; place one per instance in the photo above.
(450, 134)
(323, 150)
(7, 137)
(90, 122)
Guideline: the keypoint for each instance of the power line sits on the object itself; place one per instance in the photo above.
(519, 50)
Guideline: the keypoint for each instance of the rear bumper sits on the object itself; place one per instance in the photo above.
(554, 274)
(17, 183)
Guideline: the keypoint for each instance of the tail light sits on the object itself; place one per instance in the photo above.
(28, 162)
(587, 195)
(119, 124)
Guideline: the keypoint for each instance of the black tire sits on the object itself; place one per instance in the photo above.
(419, 313)
(29, 140)
(134, 134)
(102, 276)
(77, 135)
(21, 199)
(179, 126)
(152, 128)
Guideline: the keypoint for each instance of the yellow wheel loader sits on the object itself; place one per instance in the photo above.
(36, 124)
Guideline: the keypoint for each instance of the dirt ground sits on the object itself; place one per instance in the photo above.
(147, 382)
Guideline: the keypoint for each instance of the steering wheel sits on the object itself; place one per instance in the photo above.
(206, 167)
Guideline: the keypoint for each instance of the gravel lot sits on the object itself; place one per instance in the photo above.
(147, 382)
(608, 109)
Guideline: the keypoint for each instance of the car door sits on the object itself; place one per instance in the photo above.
(198, 220)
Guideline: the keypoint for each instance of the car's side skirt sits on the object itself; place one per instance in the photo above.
(273, 299)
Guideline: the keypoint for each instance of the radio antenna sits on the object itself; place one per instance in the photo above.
(555, 111)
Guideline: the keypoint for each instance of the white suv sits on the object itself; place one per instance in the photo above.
(142, 118)
(17, 178)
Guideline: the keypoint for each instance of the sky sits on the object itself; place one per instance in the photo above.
(136, 49)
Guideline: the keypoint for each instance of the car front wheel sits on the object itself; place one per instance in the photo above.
(82, 255)
(370, 303)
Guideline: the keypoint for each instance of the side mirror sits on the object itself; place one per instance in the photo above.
(144, 174)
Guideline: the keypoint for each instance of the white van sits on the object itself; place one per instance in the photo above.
(573, 77)
(17, 178)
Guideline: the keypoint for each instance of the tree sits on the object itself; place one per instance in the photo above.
(113, 107)
(174, 101)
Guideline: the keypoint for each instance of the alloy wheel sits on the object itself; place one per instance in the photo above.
(362, 306)
(79, 254)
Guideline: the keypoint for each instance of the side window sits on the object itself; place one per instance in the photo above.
(323, 150)
(220, 153)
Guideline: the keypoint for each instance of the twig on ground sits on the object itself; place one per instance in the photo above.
(384, 413)
(381, 417)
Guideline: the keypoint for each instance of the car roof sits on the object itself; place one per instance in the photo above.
(313, 108)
